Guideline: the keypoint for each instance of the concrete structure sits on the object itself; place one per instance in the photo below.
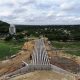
(40, 61)
(12, 29)
(40, 58)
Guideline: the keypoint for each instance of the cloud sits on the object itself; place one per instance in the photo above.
(40, 11)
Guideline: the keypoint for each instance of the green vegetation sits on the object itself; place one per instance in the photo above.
(4, 27)
(9, 48)
(68, 34)
(77, 53)
(73, 47)
(53, 32)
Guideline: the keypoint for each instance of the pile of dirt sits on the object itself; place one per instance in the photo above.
(62, 60)
(66, 64)
(8, 66)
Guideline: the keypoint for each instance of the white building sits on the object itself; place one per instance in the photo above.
(12, 29)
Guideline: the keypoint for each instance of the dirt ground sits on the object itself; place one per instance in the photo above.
(66, 62)
(44, 75)
(15, 63)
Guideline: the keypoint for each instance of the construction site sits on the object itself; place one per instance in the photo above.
(37, 60)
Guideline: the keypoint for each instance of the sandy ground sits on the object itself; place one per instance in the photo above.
(44, 75)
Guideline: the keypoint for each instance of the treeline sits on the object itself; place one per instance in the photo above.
(53, 32)
(4, 27)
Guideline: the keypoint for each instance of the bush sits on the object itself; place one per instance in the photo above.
(20, 36)
(8, 38)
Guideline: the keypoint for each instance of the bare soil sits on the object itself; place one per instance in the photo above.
(56, 58)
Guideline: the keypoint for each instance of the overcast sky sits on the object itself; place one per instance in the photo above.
(40, 11)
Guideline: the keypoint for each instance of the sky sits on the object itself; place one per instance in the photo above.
(40, 12)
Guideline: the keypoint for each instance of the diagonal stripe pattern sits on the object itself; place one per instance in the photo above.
(39, 56)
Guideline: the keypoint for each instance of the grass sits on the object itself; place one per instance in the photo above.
(9, 48)
(69, 45)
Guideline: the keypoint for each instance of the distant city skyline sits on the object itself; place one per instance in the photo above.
(40, 12)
